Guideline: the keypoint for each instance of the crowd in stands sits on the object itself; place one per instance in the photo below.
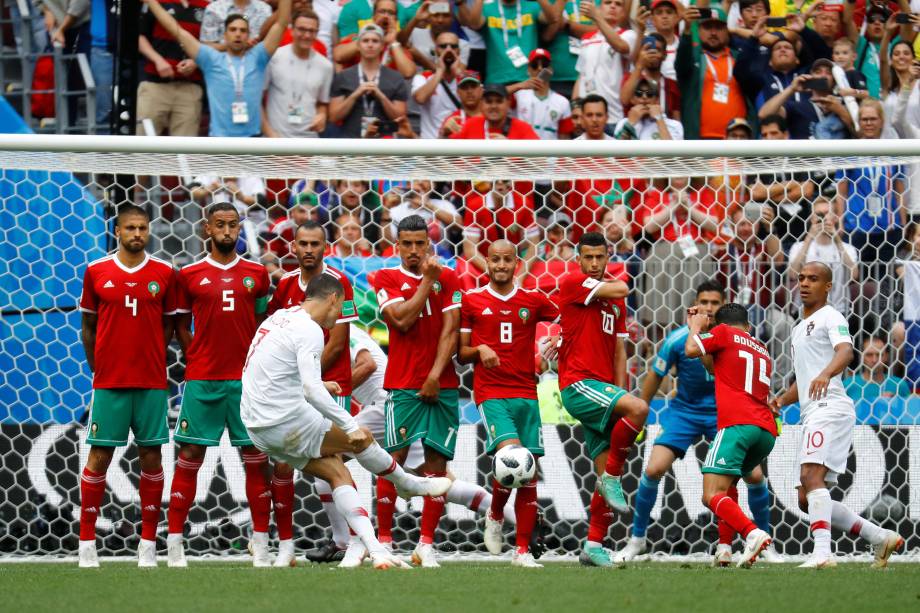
(564, 69)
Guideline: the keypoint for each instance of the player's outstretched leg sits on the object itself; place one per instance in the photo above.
(259, 496)
(150, 490)
(182, 492)
(884, 542)
(92, 489)
(379, 462)
(633, 412)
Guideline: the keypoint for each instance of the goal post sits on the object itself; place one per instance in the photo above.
(676, 213)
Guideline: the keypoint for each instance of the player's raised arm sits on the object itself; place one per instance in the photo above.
(697, 323)
(403, 314)
(277, 30)
(612, 290)
(187, 41)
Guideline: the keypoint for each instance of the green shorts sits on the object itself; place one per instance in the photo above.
(737, 450)
(591, 402)
(409, 419)
(115, 412)
(508, 418)
(208, 407)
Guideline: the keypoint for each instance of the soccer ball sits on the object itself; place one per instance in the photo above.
(513, 466)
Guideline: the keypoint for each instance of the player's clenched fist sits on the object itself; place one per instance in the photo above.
(431, 268)
(488, 357)
(360, 439)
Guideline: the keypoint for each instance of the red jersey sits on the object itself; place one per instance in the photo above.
(412, 353)
(224, 300)
(590, 328)
(130, 303)
(291, 292)
(742, 370)
(513, 129)
(508, 325)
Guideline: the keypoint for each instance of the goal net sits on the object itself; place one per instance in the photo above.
(745, 214)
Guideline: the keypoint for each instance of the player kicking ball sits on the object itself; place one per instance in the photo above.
(592, 377)
(498, 324)
(225, 296)
(821, 350)
(291, 416)
(747, 427)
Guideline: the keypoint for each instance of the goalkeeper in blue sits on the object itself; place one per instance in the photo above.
(691, 414)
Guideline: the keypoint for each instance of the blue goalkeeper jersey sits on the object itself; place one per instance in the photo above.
(696, 389)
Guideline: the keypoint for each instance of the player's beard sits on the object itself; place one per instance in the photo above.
(225, 248)
(133, 246)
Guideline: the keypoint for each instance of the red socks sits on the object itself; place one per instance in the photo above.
(283, 500)
(182, 493)
(726, 532)
(525, 507)
(386, 507)
(621, 441)
(500, 496)
(258, 489)
(728, 510)
(151, 493)
(92, 488)
(431, 514)
(601, 518)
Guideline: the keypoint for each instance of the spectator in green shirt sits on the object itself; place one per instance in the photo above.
(873, 379)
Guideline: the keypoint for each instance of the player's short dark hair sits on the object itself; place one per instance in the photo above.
(775, 120)
(321, 287)
(233, 17)
(310, 225)
(732, 314)
(412, 223)
(130, 209)
(710, 285)
(592, 239)
(593, 99)
(221, 207)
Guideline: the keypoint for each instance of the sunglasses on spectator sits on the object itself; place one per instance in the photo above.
(448, 46)
(645, 93)
(386, 12)
(876, 18)
(539, 64)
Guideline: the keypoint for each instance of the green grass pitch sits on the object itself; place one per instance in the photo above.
(476, 587)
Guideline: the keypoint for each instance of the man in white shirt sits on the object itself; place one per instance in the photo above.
(419, 201)
(604, 57)
(594, 118)
(436, 92)
(645, 119)
(291, 416)
(824, 243)
(822, 349)
(420, 34)
(298, 83)
(549, 113)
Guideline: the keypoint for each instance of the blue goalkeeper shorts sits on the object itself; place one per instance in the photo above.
(680, 428)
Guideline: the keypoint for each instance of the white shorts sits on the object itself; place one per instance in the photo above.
(826, 440)
(371, 416)
(295, 441)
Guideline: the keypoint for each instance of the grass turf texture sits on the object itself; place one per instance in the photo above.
(562, 588)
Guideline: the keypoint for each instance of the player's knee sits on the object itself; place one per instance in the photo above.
(638, 411)
(150, 458)
(368, 441)
(656, 471)
(192, 452)
(283, 470)
(803, 500)
(99, 459)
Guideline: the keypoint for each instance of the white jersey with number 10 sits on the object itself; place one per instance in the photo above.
(813, 343)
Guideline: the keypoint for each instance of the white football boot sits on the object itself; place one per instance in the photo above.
(354, 554)
(147, 554)
(175, 551)
(819, 561)
(636, 546)
(893, 542)
(524, 560)
(771, 556)
(492, 535)
(258, 547)
(89, 558)
(422, 486)
(383, 560)
(286, 556)
(723, 557)
(425, 556)
(756, 541)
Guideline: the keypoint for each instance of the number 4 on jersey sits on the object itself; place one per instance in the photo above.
(748, 358)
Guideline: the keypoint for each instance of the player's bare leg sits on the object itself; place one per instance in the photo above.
(632, 412)
(181, 497)
(434, 467)
(332, 470)
(92, 489)
(659, 463)
(715, 496)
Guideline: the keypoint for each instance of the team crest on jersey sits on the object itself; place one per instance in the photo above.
(616, 311)
(457, 297)
(249, 283)
(183, 425)
(524, 314)
(553, 115)
(402, 432)
(809, 328)
(154, 288)
(94, 428)
(436, 287)
(492, 430)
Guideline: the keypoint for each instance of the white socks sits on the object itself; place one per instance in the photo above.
(382, 464)
(349, 505)
(336, 520)
(844, 519)
(469, 495)
(820, 508)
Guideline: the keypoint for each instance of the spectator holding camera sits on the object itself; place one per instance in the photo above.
(214, 23)
(824, 242)
(874, 379)
(391, 53)
(495, 121)
(548, 112)
(868, 44)
(649, 67)
(437, 92)
(665, 18)
(420, 35)
(646, 119)
(605, 54)
(298, 84)
(368, 92)
(828, 26)
(235, 77)
(509, 28)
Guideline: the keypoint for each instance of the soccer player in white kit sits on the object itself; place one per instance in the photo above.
(291, 416)
(822, 349)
